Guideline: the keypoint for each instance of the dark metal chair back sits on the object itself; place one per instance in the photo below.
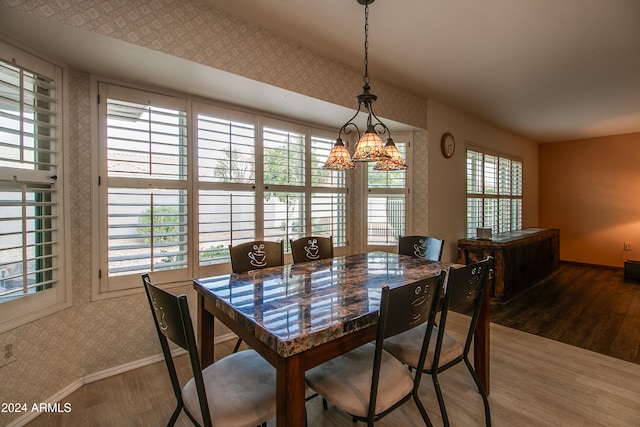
(466, 287)
(256, 255)
(426, 247)
(173, 323)
(311, 248)
(403, 308)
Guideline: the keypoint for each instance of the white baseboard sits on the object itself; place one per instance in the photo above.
(97, 376)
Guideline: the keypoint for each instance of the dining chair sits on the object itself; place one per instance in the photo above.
(254, 256)
(465, 287)
(311, 248)
(421, 246)
(238, 390)
(367, 382)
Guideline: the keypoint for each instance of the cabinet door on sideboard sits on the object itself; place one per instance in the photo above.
(522, 258)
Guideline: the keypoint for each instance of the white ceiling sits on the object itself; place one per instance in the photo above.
(547, 69)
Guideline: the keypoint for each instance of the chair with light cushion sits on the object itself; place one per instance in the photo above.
(238, 390)
(254, 256)
(311, 248)
(367, 382)
(465, 286)
(426, 247)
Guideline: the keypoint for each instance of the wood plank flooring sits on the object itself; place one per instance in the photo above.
(585, 306)
(535, 381)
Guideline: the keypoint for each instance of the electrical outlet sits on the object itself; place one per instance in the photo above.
(627, 246)
(8, 354)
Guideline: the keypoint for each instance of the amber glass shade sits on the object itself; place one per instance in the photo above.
(394, 161)
(339, 158)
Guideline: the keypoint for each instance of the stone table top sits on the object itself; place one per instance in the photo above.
(295, 307)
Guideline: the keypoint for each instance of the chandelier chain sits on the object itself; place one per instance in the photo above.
(366, 45)
(369, 147)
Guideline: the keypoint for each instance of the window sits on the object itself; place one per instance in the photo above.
(145, 147)
(32, 273)
(386, 203)
(284, 198)
(329, 192)
(226, 179)
(174, 201)
(494, 192)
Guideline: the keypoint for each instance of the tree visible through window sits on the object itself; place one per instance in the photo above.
(175, 201)
(146, 179)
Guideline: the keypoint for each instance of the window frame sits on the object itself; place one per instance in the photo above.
(515, 217)
(198, 185)
(120, 284)
(400, 139)
(272, 125)
(196, 108)
(27, 308)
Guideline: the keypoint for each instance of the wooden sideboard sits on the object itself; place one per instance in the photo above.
(522, 258)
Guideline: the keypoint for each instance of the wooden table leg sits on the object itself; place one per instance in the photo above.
(290, 388)
(205, 334)
(481, 342)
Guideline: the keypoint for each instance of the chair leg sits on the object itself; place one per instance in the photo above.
(481, 390)
(174, 416)
(443, 409)
(235, 349)
(306, 399)
(422, 410)
(193, 420)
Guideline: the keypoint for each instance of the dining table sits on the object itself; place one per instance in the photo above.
(298, 316)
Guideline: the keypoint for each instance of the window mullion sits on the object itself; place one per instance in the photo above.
(148, 186)
(498, 196)
(231, 157)
(24, 238)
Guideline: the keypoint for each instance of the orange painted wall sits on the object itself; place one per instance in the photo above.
(590, 190)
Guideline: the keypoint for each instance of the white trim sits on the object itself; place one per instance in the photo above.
(405, 138)
(25, 309)
(106, 373)
(491, 151)
(116, 370)
(104, 286)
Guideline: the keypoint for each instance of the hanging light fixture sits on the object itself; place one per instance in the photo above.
(394, 161)
(369, 147)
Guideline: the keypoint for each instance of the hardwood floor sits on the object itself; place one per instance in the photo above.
(534, 382)
(585, 306)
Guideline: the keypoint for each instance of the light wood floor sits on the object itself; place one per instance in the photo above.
(534, 382)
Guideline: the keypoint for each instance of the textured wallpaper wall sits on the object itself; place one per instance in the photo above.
(192, 30)
(420, 183)
(89, 337)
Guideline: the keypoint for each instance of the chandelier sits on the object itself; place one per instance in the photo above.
(369, 147)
